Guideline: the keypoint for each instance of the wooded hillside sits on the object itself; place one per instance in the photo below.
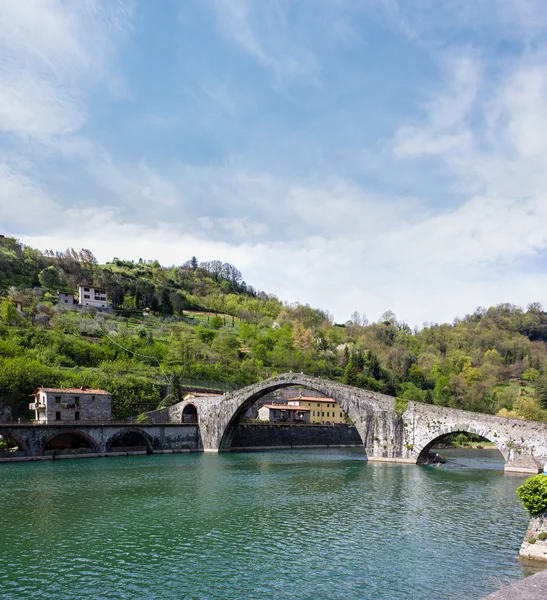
(200, 320)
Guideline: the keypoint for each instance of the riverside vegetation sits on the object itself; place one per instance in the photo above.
(200, 320)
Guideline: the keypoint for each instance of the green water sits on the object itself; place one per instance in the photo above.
(269, 525)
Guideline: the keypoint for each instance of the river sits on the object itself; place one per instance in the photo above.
(310, 524)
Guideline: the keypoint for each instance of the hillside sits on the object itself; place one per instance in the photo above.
(201, 321)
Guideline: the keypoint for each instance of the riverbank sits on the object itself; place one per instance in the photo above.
(476, 445)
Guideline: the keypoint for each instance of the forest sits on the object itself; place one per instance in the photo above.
(169, 325)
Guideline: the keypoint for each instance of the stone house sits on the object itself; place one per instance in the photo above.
(65, 299)
(68, 405)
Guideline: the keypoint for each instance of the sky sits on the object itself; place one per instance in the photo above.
(356, 155)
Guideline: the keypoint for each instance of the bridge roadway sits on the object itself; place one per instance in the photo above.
(386, 436)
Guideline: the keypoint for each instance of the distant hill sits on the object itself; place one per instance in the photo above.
(200, 320)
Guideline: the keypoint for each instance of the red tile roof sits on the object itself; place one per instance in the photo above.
(287, 407)
(80, 391)
(313, 399)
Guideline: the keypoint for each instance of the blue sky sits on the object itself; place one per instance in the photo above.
(351, 154)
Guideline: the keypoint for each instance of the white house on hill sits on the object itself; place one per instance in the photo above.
(92, 296)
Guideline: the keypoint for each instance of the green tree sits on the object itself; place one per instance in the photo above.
(8, 313)
(49, 278)
(216, 322)
(530, 375)
(350, 374)
(205, 335)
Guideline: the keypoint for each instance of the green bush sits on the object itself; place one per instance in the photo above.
(531, 540)
(401, 404)
(216, 322)
(533, 494)
(543, 536)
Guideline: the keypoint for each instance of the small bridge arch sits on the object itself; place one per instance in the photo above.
(423, 451)
(189, 413)
(71, 439)
(22, 445)
(130, 438)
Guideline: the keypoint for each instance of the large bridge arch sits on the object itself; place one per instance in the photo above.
(423, 451)
(360, 405)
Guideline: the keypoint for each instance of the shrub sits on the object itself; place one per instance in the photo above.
(401, 404)
(533, 494)
(543, 536)
(531, 540)
(216, 322)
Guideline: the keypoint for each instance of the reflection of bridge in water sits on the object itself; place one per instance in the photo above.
(385, 435)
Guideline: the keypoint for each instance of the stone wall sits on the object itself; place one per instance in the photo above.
(290, 436)
(536, 549)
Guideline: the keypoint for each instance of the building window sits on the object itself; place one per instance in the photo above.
(57, 399)
(58, 416)
(323, 414)
(77, 416)
(66, 301)
(328, 413)
(318, 404)
(86, 289)
(86, 296)
(77, 400)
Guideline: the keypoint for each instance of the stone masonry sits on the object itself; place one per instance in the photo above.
(385, 435)
(533, 547)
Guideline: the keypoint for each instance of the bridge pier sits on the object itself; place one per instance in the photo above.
(524, 463)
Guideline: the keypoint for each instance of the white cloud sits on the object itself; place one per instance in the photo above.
(447, 127)
(243, 227)
(50, 53)
(323, 239)
(266, 38)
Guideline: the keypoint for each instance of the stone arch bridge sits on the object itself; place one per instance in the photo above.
(209, 424)
(79, 440)
(385, 435)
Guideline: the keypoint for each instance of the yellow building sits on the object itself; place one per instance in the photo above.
(323, 410)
